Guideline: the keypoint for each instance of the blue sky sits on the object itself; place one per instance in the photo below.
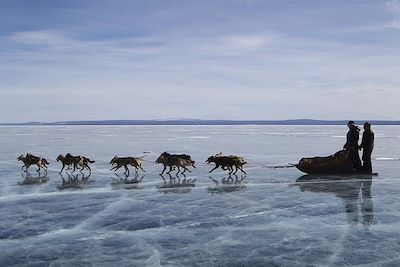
(227, 59)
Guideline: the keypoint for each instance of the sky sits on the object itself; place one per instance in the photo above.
(201, 59)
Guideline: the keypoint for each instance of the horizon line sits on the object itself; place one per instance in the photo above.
(199, 122)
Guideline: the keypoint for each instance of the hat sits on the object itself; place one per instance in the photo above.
(351, 123)
(367, 123)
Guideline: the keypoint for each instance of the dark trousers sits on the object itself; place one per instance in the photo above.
(355, 158)
(367, 164)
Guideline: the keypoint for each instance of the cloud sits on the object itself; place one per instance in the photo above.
(235, 44)
(57, 46)
(46, 38)
(395, 24)
(58, 39)
(394, 8)
(245, 42)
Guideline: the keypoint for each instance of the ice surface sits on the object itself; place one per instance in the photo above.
(276, 217)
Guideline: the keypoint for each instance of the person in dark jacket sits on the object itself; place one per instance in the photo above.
(367, 145)
(353, 135)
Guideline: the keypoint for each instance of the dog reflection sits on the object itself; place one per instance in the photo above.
(356, 195)
(122, 182)
(74, 181)
(176, 185)
(175, 176)
(28, 179)
(227, 185)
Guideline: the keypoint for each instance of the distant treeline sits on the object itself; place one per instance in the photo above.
(206, 122)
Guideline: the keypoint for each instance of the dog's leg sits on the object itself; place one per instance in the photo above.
(230, 170)
(242, 170)
(63, 166)
(141, 168)
(165, 167)
(87, 166)
(134, 166)
(186, 169)
(26, 167)
(216, 167)
(170, 169)
(42, 167)
(236, 167)
(126, 169)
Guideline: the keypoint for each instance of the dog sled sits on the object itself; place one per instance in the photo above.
(339, 163)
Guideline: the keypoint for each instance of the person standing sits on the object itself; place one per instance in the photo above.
(367, 145)
(353, 135)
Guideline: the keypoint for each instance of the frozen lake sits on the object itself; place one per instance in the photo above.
(271, 217)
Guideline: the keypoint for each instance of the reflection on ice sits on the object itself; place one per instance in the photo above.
(175, 176)
(74, 181)
(28, 179)
(227, 185)
(125, 183)
(347, 189)
(176, 186)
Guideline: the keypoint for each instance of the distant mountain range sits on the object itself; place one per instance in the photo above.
(203, 122)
